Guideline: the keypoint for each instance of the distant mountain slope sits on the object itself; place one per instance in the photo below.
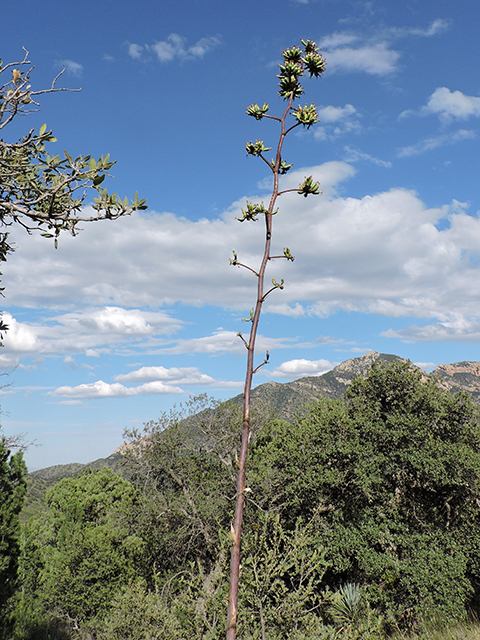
(285, 400)
(461, 376)
(289, 399)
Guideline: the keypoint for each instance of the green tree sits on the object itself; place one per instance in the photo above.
(83, 549)
(12, 491)
(297, 61)
(43, 192)
(184, 466)
(394, 473)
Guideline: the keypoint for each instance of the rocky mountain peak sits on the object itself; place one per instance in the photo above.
(461, 376)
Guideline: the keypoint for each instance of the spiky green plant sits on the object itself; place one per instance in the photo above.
(346, 606)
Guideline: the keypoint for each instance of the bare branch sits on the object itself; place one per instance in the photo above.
(243, 340)
(267, 358)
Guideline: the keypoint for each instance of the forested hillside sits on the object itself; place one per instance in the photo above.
(361, 520)
(283, 401)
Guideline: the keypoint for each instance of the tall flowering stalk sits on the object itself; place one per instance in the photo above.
(297, 61)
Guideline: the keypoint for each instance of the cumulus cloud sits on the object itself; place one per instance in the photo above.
(174, 47)
(135, 50)
(371, 52)
(373, 59)
(101, 389)
(155, 380)
(299, 368)
(80, 331)
(334, 114)
(385, 253)
(452, 104)
(134, 263)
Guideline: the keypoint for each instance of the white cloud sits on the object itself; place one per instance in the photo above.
(73, 365)
(19, 337)
(336, 121)
(101, 389)
(338, 40)
(425, 365)
(334, 114)
(458, 329)
(436, 141)
(71, 67)
(133, 262)
(371, 52)
(384, 253)
(439, 25)
(374, 59)
(174, 47)
(225, 342)
(299, 368)
(182, 375)
(176, 376)
(156, 380)
(135, 51)
(79, 331)
(452, 104)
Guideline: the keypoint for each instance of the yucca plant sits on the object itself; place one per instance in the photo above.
(346, 607)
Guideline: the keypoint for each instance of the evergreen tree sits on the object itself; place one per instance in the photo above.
(12, 491)
(81, 551)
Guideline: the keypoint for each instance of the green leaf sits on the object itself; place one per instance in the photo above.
(43, 128)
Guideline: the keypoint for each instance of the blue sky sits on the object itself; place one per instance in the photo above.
(133, 316)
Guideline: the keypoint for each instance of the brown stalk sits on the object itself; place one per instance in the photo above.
(240, 496)
(290, 89)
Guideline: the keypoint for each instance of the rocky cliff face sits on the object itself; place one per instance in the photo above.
(460, 376)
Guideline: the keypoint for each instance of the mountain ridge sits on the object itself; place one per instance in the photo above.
(288, 399)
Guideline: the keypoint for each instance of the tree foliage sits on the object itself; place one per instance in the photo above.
(184, 465)
(83, 549)
(394, 473)
(12, 491)
(361, 518)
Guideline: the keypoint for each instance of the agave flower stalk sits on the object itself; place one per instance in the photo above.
(297, 61)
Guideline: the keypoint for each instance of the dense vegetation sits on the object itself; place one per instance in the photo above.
(362, 521)
(12, 492)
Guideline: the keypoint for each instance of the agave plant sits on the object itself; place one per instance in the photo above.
(346, 606)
